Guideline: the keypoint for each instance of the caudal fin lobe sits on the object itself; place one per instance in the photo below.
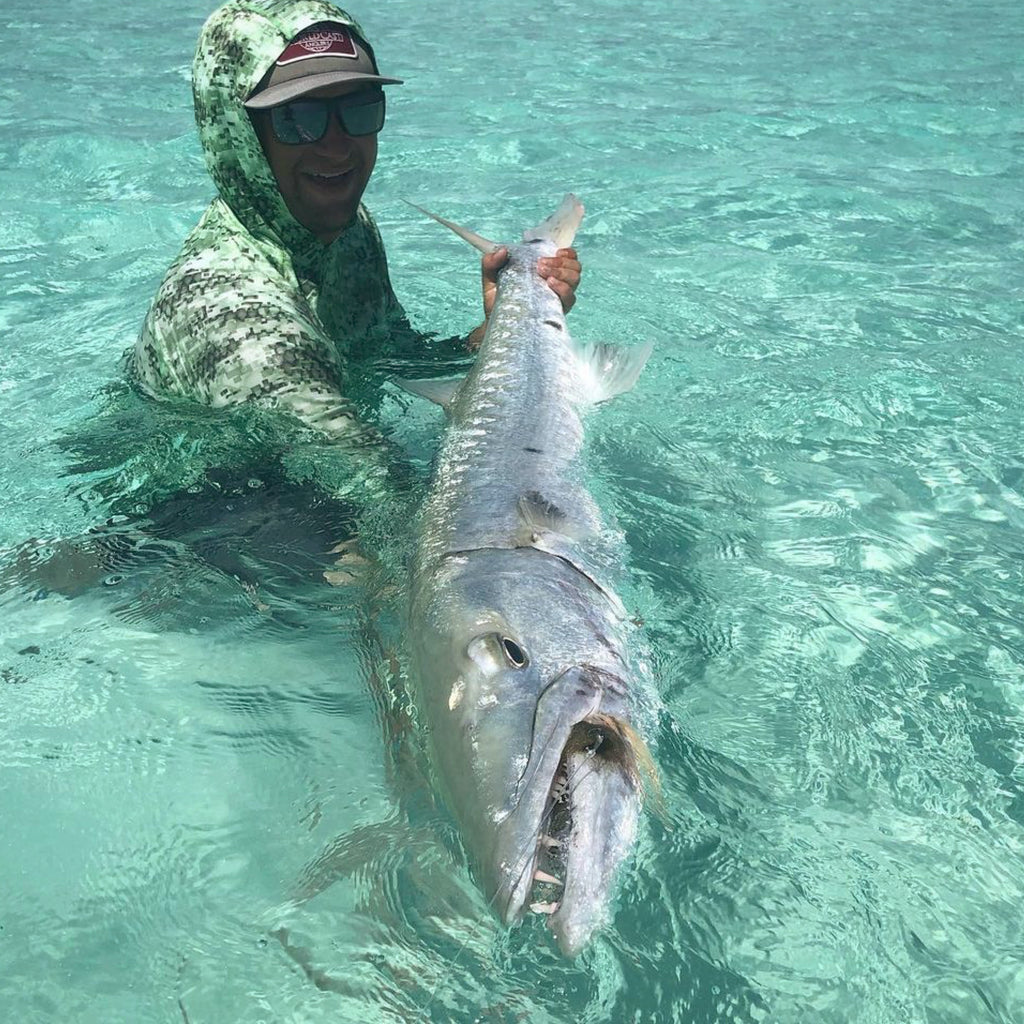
(477, 241)
(561, 226)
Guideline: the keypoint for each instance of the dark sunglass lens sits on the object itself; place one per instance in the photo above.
(365, 119)
(299, 122)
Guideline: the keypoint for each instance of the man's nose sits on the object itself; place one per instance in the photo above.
(335, 134)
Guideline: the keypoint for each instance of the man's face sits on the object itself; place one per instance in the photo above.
(321, 182)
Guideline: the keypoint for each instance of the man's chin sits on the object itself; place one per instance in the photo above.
(329, 206)
(328, 223)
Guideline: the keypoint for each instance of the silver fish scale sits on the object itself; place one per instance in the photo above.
(515, 434)
(516, 639)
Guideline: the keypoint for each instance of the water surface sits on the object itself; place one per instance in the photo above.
(815, 214)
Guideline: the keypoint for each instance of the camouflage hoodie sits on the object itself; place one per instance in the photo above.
(256, 308)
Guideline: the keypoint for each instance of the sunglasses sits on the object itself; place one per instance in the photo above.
(305, 120)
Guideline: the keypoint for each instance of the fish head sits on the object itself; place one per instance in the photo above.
(530, 723)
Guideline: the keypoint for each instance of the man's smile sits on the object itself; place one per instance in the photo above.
(330, 177)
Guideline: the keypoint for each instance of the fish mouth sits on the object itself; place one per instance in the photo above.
(574, 824)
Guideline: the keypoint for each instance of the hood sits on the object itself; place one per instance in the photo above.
(237, 46)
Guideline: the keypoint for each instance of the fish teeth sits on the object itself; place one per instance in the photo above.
(544, 908)
(543, 876)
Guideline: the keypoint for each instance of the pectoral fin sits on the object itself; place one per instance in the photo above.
(537, 513)
(539, 518)
(440, 391)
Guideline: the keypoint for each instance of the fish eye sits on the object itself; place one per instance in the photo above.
(515, 654)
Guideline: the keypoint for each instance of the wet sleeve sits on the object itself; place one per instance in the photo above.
(223, 340)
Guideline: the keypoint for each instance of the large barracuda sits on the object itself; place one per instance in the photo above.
(517, 640)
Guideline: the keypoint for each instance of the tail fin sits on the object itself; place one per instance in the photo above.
(475, 240)
(561, 226)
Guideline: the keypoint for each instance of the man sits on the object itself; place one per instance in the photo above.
(284, 279)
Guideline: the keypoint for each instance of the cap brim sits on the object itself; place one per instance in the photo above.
(278, 94)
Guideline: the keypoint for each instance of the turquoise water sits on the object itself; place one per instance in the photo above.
(815, 214)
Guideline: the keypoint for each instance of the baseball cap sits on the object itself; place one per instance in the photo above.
(323, 54)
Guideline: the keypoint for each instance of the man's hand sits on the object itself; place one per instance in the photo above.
(561, 271)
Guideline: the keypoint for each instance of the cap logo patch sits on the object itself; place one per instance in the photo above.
(319, 42)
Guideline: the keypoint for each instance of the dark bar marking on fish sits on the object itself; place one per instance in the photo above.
(534, 451)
